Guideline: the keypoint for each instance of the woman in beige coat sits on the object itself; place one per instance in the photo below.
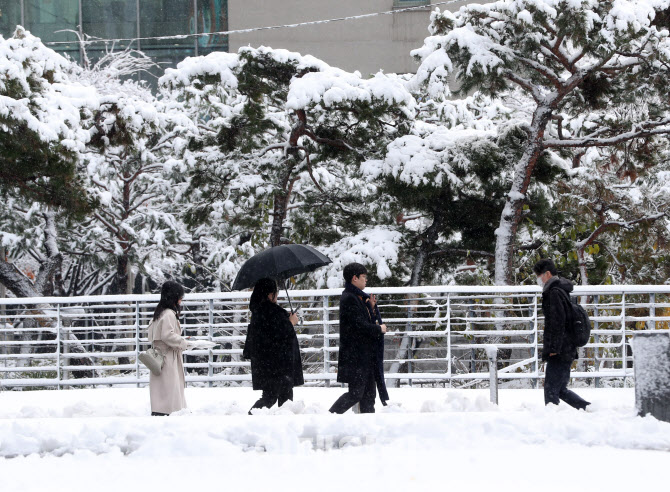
(167, 389)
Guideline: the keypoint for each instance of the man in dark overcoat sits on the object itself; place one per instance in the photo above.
(361, 334)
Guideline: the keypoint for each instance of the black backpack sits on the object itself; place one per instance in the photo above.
(578, 322)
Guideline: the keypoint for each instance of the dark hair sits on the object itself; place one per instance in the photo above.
(353, 270)
(263, 288)
(171, 292)
(543, 266)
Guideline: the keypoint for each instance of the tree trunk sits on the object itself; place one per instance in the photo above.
(200, 277)
(281, 199)
(121, 274)
(427, 245)
(511, 215)
(583, 274)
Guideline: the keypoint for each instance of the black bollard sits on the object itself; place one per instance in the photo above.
(651, 355)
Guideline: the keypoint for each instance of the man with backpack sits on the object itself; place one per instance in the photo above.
(563, 333)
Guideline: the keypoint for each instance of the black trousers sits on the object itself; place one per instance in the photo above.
(279, 390)
(557, 376)
(362, 390)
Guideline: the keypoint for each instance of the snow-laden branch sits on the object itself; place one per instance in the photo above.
(617, 224)
(524, 83)
(650, 129)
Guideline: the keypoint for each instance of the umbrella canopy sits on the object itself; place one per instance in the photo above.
(279, 263)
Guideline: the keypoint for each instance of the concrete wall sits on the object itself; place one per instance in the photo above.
(368, 45)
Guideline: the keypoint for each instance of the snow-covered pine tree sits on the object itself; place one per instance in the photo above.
(617, 229)
(41, 143)
(280, 137)
(580, 62)
(40, 133)
(136, 227)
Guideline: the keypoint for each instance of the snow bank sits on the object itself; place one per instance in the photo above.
(68, 440)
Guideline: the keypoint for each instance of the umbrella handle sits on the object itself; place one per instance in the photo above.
(288, 296)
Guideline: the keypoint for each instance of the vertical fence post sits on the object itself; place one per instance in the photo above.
(210, 357)
(652, 311)
(410, 357)
(492, 355)
(137, 342)
(449, 338)
(58, 340)
(596, 339)
(3, 319)
(326, 341)
(624, 355)
(536, 335)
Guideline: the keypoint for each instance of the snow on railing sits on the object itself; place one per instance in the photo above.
(437, 334)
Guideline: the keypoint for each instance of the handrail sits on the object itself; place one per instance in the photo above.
(92, 340)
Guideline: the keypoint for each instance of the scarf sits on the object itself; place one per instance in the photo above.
(375, 315)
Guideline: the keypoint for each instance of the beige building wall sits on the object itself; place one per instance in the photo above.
(377, 43)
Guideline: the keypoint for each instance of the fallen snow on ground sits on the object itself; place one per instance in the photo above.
(103, 440)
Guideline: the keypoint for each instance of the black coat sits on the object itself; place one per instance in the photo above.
(557, 312)
(272, 345)
(359, 340)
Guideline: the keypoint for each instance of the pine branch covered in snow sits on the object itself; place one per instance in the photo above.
(580, 62)
(40, 124)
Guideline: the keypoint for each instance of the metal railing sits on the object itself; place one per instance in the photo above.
(438, 334)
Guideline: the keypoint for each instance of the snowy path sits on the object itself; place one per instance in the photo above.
(102, 440)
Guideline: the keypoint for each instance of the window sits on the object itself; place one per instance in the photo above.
(10, 17)
(212, 16)
(109, 19)
(44, 18)
(166, 18)
(409, 3)
(123, 19)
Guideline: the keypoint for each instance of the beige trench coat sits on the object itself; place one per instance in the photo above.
(167, 390)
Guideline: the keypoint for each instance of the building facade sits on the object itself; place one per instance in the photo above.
(53, 21)
(370, 44)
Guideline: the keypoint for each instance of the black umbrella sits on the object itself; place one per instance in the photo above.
(279, 263)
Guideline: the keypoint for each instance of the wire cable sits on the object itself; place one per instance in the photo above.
(90, 40)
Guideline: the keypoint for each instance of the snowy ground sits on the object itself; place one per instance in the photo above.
(430, 438)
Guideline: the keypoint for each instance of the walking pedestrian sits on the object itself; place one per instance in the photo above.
(167, 389)
(360, 336)
(272, 345)
(559, 349)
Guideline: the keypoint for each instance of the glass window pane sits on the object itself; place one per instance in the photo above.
(10, 17)
(212, 16)
(44, 18)
(410, 3)
(109, 19)
(166, 18)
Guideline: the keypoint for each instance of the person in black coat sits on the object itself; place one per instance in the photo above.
(360, 336)
(559, 349)
(272, 345)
